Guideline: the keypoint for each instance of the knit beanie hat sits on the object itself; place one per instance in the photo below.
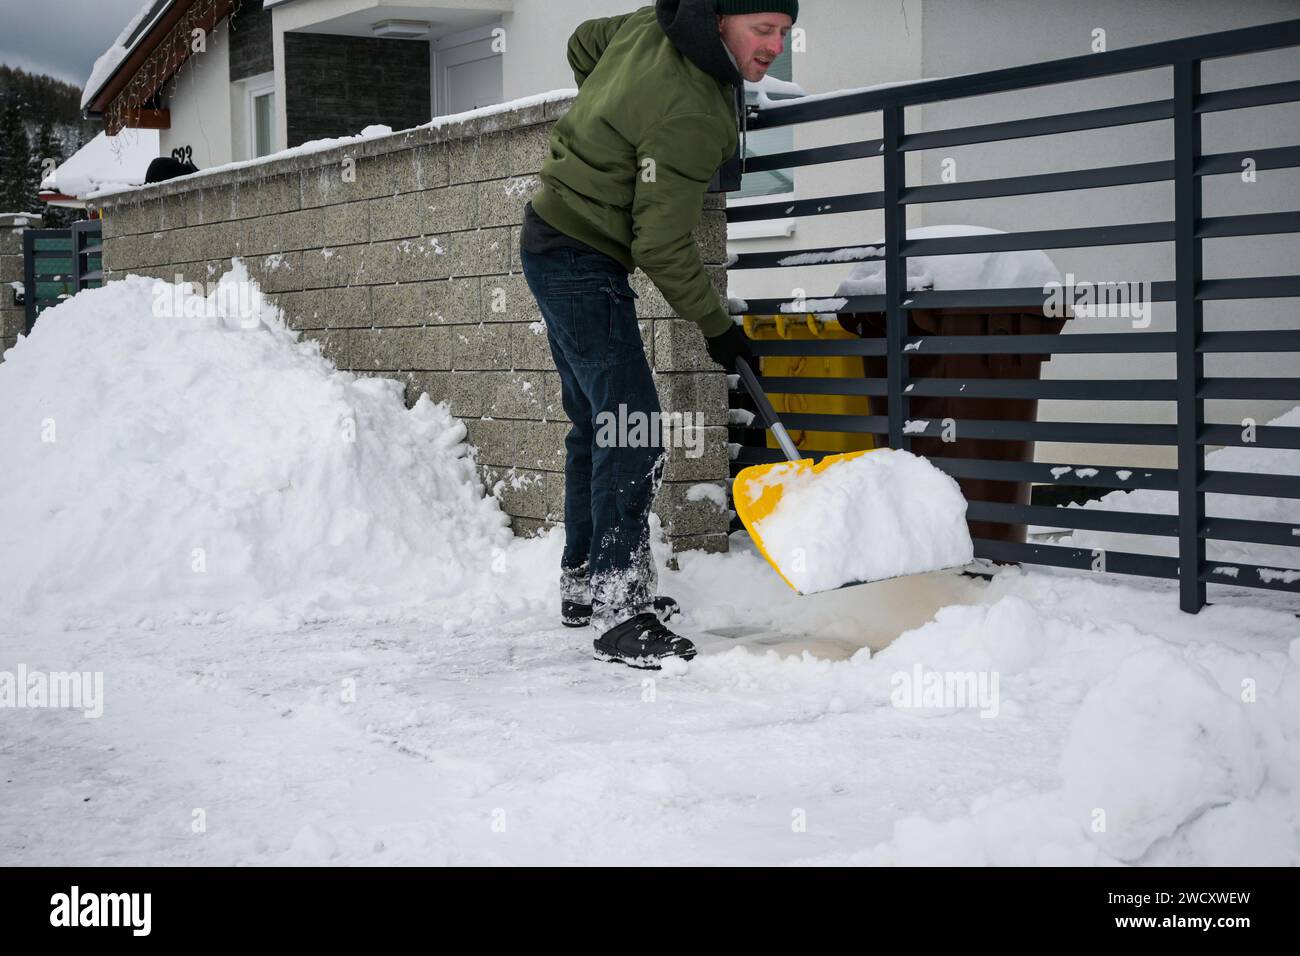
(789, 7)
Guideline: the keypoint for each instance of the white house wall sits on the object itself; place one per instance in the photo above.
(199, 99)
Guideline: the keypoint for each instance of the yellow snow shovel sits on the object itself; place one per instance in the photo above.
(757, 492)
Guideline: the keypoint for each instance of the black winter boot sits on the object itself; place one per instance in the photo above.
(573, 614)
(642, 642)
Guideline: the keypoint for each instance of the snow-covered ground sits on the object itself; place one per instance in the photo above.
(319, 645)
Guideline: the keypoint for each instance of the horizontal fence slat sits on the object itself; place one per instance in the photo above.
(1049, 473)
(773, 260)
(1133, 390)
(1258, 224)
(1250, 224)
(1039, 300)
(1242, 97)
(1277, 157)
(1031, 299)
(815, 155)
(1079, 343)
(1251, 483)
(797, 385)
(1263, 436)
(819, 206)
(1252, 576)
(1064, 390)
(1043, 239)
(1276, 389)
(1253, 287)
(1040, 126)
(857, 424)
(818, 347)
(1268, 340)
(1251, 532)
(1059, 556)
(853, 303)
(1058, 389)
(1104, 433)
(1096, 177)
(1090, 519)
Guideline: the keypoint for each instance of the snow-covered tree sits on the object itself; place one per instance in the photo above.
(17, 189)
(49, 152)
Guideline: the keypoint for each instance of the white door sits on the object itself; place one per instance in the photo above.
(468, 71)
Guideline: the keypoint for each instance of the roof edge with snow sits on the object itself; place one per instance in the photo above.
(110, 62)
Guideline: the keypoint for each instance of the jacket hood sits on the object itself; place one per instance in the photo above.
(692, 26)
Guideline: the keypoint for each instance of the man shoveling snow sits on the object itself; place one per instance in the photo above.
(657, 113)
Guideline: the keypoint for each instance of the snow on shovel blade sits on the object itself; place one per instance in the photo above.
(853, 518)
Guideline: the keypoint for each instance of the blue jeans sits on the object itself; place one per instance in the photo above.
(612, 468)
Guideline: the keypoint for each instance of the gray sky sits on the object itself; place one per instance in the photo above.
(61, 37)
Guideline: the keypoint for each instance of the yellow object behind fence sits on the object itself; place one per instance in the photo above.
(806, 366)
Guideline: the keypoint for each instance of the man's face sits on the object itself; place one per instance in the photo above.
(755, 40)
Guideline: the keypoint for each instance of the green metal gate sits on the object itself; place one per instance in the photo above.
(58, 263)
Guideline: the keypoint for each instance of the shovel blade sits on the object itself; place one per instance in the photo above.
(757, 494)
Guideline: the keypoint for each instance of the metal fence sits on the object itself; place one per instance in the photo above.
(58, 263)
(1185, 107)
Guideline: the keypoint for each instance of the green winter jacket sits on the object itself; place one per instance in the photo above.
(630, 162)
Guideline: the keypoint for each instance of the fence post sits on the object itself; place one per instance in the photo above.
(78, 269)
(29, 279)
(1188, 322)
(895, 174)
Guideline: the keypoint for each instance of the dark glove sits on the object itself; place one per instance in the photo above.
(729, 346)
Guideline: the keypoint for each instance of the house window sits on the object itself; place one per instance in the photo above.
(262, 115)
(770, 182)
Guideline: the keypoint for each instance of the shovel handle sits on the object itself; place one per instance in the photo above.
(766, 411)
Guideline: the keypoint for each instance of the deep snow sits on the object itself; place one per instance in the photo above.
(374, 673)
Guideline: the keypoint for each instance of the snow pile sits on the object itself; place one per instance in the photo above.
(184, 456)
(1117, 730)
(1273, 461)
(873, 516)
(1153, 745)
(977, 270)
(106, 162)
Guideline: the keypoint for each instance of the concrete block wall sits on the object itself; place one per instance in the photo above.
(13, 318)
(400, 255)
